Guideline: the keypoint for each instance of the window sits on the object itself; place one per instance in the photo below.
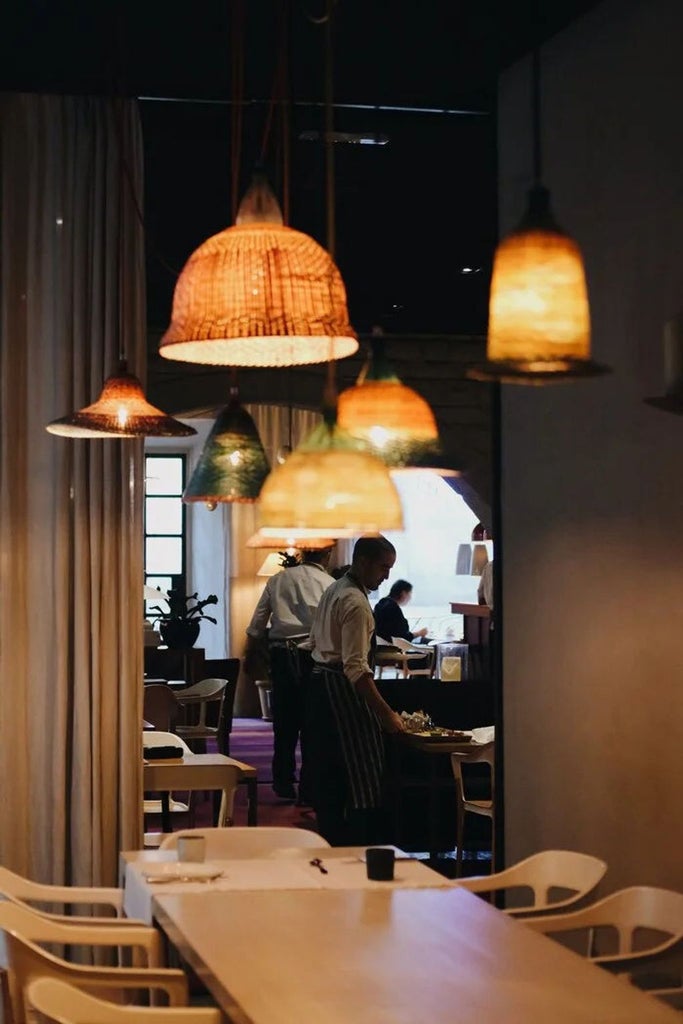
(164, 522)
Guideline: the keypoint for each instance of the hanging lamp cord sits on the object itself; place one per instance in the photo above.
(330, 392)
(536, 92)
(237, 48)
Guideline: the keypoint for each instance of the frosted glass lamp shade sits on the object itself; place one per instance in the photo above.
(539, 318)
(259, 294)
(233, 463)
(329, 487)
(121, 411)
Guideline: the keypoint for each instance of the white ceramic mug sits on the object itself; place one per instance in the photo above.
(191, 849)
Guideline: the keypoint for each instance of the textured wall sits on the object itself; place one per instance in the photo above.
(592, 483)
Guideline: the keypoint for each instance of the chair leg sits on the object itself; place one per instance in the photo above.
(460, 835)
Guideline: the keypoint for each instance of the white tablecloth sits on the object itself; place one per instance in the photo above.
(260, 874)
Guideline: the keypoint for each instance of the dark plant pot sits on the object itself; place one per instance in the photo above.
(180, 633)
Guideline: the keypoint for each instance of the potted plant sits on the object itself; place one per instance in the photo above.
(179, 624)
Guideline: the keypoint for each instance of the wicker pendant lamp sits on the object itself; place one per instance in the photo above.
(233, 463)
(396, 424)
(259, 294)
(329, 487)
(539, 318)
(121, 411)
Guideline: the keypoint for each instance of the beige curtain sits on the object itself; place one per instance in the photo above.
(70, 510)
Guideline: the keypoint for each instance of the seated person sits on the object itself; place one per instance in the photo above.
(390, 620)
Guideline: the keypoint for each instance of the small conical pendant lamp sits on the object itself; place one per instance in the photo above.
(539, 318)
(233, 463)
(395, 423)
(329, 487)
(672, 399)
(259, 294)
(121, 411)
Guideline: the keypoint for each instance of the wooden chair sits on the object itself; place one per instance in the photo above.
(160, 707)
(57, 1002)
(152, 805)
(543, 875)
(25, 959)
(244, 842)
(644, 924)
(466, 803)
(425, 652)
(195, 703)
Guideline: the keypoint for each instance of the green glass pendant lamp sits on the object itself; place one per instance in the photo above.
(233, 464)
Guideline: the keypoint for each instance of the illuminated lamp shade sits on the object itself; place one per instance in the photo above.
(539, 319)
(259, 294)
(233, 464)
(329, 487)
(395, 423)
(291, 541)
(271, 565)
(121, 411)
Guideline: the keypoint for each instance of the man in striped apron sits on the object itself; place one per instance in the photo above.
(347, 715)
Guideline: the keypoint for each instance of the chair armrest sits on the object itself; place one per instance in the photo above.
(168, 980)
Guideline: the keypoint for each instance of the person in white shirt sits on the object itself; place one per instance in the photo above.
(348, 715)
(288, 603)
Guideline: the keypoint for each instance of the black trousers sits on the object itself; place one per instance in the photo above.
(288, 670)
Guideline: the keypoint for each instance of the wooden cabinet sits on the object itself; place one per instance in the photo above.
(167, 663)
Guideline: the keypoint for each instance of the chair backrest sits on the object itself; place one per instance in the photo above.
(405, 645)
(203, 693)
(155, 738)
(37, 892)
(628, 912)
(481, 753)
(40, 928)
(160, 706)
(58, 1002)
(244, 842)
(544, 874)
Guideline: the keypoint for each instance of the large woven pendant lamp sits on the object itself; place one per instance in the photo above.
(121, 411)
(233, 463)
(396, 424)
(539, 318)
(259, 294)
(329, 487)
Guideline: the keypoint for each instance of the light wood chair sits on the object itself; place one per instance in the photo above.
(153, 805)
(544, 875)
(22, 930)
(466, 803)
(57, 1002)
(643, 923)
(243, 842)
(160, 706)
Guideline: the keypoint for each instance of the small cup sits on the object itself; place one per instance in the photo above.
(191, 849)
(379, 863)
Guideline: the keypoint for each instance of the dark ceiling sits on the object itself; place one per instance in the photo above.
(410, 215)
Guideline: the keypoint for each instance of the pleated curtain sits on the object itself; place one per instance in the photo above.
(70, 510)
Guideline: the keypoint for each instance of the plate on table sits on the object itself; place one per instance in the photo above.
(182, 870)
(443, 736)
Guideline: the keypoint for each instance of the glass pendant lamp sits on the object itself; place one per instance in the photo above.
(395, 423)
(259, 294)
(539, 319)
(233, 463)
(121, 411)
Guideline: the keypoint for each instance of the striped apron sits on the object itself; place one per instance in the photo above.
(359, 735)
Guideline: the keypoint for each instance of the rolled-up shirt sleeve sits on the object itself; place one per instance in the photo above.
(357, 626)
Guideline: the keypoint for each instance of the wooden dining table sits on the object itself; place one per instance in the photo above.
(394, 956)
(193, 772)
